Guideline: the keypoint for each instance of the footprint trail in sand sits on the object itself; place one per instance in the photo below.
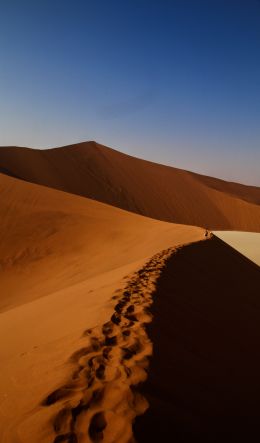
(101, 399)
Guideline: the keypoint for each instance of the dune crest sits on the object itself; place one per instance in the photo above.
(154, 190)
(62, 259)
(100, 400)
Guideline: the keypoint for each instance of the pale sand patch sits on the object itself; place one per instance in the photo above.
(247, 243)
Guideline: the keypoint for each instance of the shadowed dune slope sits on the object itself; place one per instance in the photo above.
(203, 383)
(161, 192)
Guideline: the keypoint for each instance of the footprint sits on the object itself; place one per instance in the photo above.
(87, 332)
(114, 356)
(130, 309)
(70, 437)
(77, 410)
(100, 371)
(107, 328)
(62, 420)
(131, 317)
(116, 319)
(95, 343)
(97, 425)
(57, 395)
(106, 352)
(111, 341)
(97, 396)
(132, 350)
(128, 353)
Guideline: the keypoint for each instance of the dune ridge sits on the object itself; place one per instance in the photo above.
(62, 258)
(100, 401)
(157, 191)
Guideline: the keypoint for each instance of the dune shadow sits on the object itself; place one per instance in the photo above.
(204, 376)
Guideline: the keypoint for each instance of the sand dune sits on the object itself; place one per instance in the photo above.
(203, 382)
(63, 257)
(143, 187)
(77, 281)
(100, 401)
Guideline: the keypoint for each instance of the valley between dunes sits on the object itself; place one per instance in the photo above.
(62, 259)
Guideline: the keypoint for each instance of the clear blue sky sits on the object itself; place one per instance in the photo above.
(173, 81)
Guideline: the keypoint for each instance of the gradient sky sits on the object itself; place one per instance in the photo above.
(173, 81)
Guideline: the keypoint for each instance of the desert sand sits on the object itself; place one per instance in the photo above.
(248, 243)
(153, 190)
(119, 319)
(63, 257)
(203, 381)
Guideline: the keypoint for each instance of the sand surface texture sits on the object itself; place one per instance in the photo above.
(143, 187)
(104, 312)
(203, 381)
(63, 258)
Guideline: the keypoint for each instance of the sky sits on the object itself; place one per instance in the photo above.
(172, 81)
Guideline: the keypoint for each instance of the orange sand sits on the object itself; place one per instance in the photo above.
(62, 258)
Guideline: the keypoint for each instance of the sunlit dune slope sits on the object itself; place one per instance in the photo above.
(62, 258)
(51, 239)
(143, 187)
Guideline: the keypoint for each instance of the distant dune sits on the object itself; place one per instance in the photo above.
(62, 257)
(161, 192)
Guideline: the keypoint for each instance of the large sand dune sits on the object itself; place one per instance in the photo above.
(62, 258)
(147, 188)
(77, 280)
